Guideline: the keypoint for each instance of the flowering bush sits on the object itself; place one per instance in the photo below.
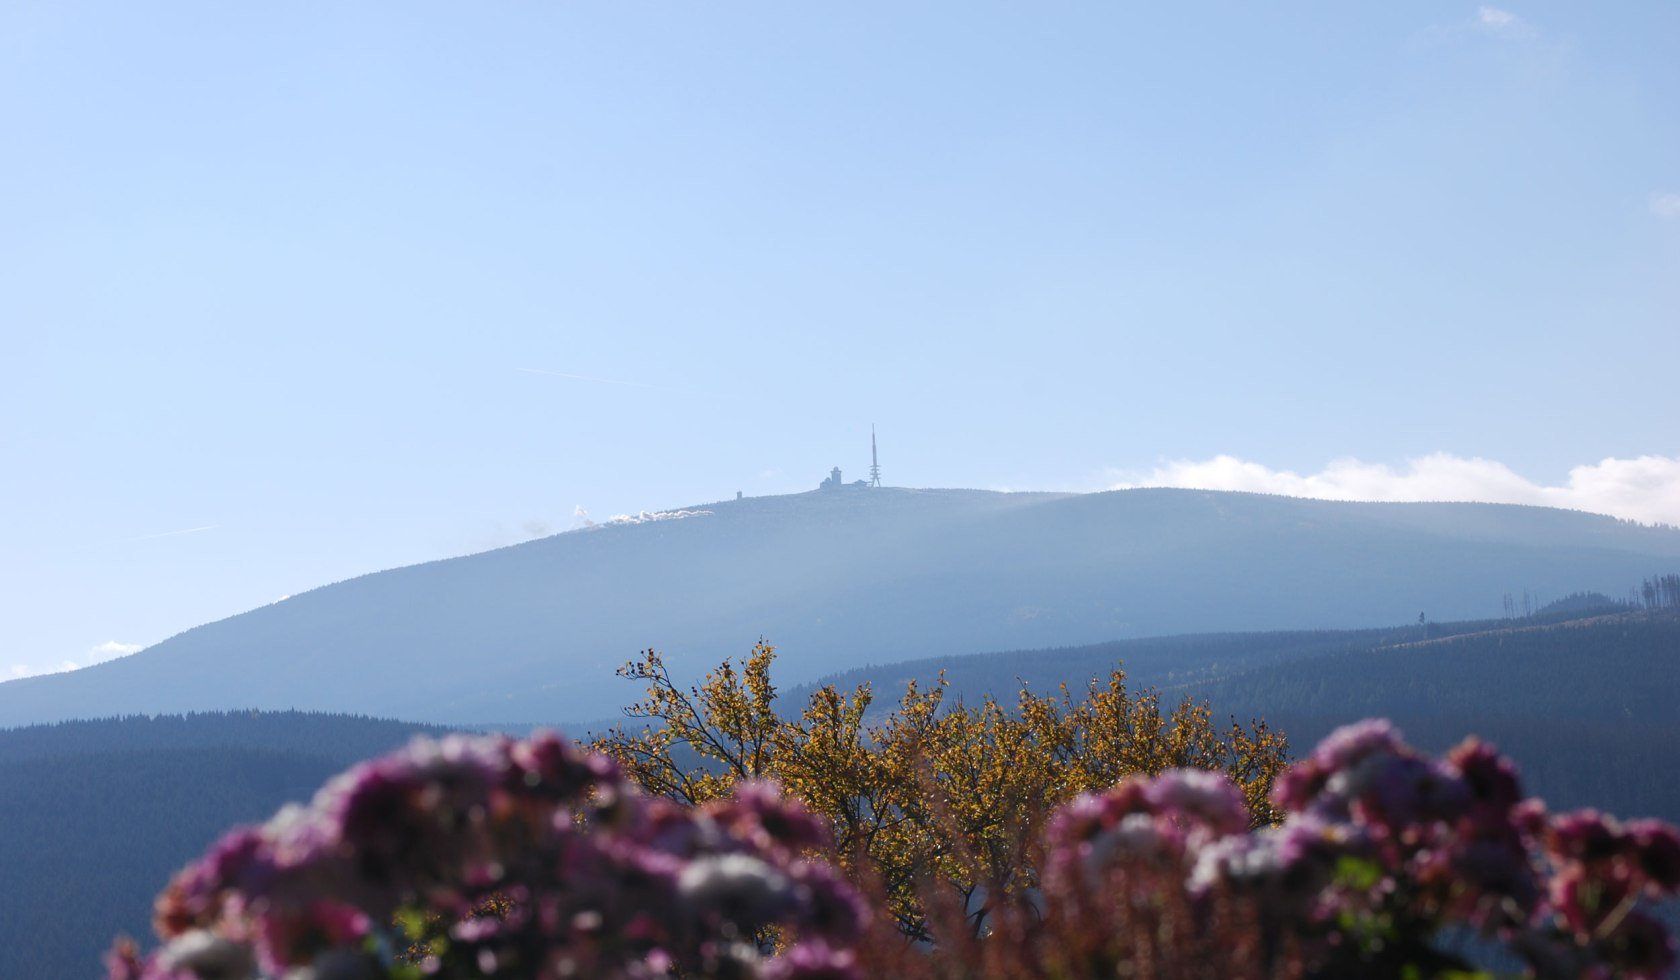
(532, 859)
(1385, 860)
(540, 859)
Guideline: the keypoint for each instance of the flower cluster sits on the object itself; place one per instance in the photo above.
(524, 859)
(1384, 855)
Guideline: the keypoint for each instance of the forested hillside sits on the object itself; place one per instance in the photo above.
(95, 816)
(1589, 708)
(1585, 695)
(1172, 662)
(335, 737)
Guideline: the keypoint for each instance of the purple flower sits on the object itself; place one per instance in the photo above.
(1657, 847)
(1398, 791)
(1586, 836)
(290, 937)
(829, 907)
(1338, 770)
(1299, 786)
(1209, 799)
(548, 768)
(759, 807)
(1497, 866)
(1490, 778)
(1351, 744)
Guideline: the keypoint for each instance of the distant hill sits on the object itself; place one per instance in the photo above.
(1173, 663)
(839, 579)
(1586, 696)
(95, 816)
(1589, 707)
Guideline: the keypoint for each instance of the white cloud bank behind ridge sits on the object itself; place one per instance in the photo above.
(109, 650)
(1646, 489)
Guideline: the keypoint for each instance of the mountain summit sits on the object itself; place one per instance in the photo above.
(842, 578)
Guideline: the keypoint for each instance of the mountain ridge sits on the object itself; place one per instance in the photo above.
(840, 578)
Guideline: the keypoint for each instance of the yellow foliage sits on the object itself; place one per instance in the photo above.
(935, 789)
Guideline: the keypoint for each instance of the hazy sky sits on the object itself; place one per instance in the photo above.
(293, 292)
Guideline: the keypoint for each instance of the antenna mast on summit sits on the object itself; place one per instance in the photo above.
(874, 460)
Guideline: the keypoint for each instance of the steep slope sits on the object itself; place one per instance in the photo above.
(841, 579)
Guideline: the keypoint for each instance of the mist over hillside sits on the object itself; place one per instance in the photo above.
(838, 579)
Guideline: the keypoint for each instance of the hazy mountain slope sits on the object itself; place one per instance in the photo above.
(95, 816)
(842, 579)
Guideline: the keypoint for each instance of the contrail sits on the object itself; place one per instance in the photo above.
(605, 381)
(171, 534)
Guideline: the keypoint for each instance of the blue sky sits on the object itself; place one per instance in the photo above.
(279, 285)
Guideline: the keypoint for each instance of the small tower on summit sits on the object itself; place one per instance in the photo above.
(874, 460)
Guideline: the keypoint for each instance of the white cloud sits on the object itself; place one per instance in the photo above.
(1666, 205)
(648, 517)
(1645, 489)
(1502, 23)
(110, 650)
(97, 654)
(1496, 19)
(20, 671)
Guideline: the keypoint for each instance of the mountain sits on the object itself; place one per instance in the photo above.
(842, 578)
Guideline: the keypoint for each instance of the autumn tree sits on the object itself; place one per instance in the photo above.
(934, 789)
